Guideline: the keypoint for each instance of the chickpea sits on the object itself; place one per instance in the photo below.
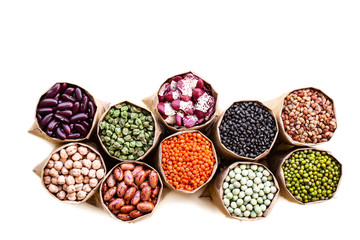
(70, 189)
(91, 156)
(96, 164)
(58, 165)
(93, 182)
(64, 171)
(81, 195)
(61, 195)
(54, 180)
(69, 164)
(63, 154)
(87, 188)
(84, 171)
(77, 165)
(71, 196)
(71, 150)
(47, 180)
(46, 171)
(53, 172)
(78, 187)
(53, 188)
(50, 164)
(70, 180)
(79, 179)
(55, 157)
(75, 172)
(61, 179)
(86, 163)
(100, 173)
(76, 157)
(82, 150)
(86, 179)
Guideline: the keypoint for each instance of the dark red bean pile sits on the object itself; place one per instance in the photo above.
(65, 111)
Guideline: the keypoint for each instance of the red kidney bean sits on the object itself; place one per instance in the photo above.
(78, 94)
(48, 102)
(91, 106)
(57, 97)
(76, 108)
(78, 117)
(45, 110)
(64, 86)
(53, 124)
(66, 129)
(61, 118)
(85, 124)
(44, 122)
(66, 97)
(65, 113)
(65, 105)
(53, 91)
(81, 129)
(69, 91)
(74, 135)
(60, 133)
(84, 104)
(38, 117)
(48, 132)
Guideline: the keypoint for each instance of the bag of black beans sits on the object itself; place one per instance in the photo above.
(245, 191)
(246, 130)
(127, 131)
(306, 117)
(306, 175)
(66, 113)
(184, 102)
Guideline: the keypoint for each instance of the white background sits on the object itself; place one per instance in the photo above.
(124, 50)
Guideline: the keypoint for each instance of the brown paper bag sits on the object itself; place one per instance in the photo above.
(152, 102)
(277, 105)
(157, 132)
(39, 169)
(215, 190)
(277, 159)
(103, 205)
(230, 155)
(158, 161)
(100, 108)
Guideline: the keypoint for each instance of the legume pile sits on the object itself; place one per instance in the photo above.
(308, 116)
(127, 131)
(248, 190)
(311, 175)
(65, 111)
(187, 160)
(73, 172)
(248, 129)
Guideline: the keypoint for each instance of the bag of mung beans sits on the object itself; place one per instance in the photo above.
(55, 118)
(305, 116)
(173, 104)
(127, 131)
(72, 172)
(306, 175)
(193, 166)
(131, 191)
(242, 135)
(241, 208)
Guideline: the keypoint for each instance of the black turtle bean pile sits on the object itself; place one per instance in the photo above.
(248, 129)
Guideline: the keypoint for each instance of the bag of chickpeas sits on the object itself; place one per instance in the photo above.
(306, 175)
(187, 161)
(184, 102)
(244, 190)
(66, 113)
(246, 130)
(72, 172)
(131, 191)
(306, 117)
(127, 131)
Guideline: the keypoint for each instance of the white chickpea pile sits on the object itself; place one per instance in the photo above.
(73, 172)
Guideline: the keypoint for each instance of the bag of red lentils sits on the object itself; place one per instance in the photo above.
(311, 176)
(226, 135)
(72, 172)
(228, 193)
(305, 116)
(66, 113)
(149, 139)
(187, 161)
(184, 102)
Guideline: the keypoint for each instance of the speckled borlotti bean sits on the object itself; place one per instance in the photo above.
(126, 191)
(308, 116)
(69, 175)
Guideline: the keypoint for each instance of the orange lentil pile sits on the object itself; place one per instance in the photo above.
(187, 160)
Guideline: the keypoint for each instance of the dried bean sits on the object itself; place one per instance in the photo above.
(53, 91)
